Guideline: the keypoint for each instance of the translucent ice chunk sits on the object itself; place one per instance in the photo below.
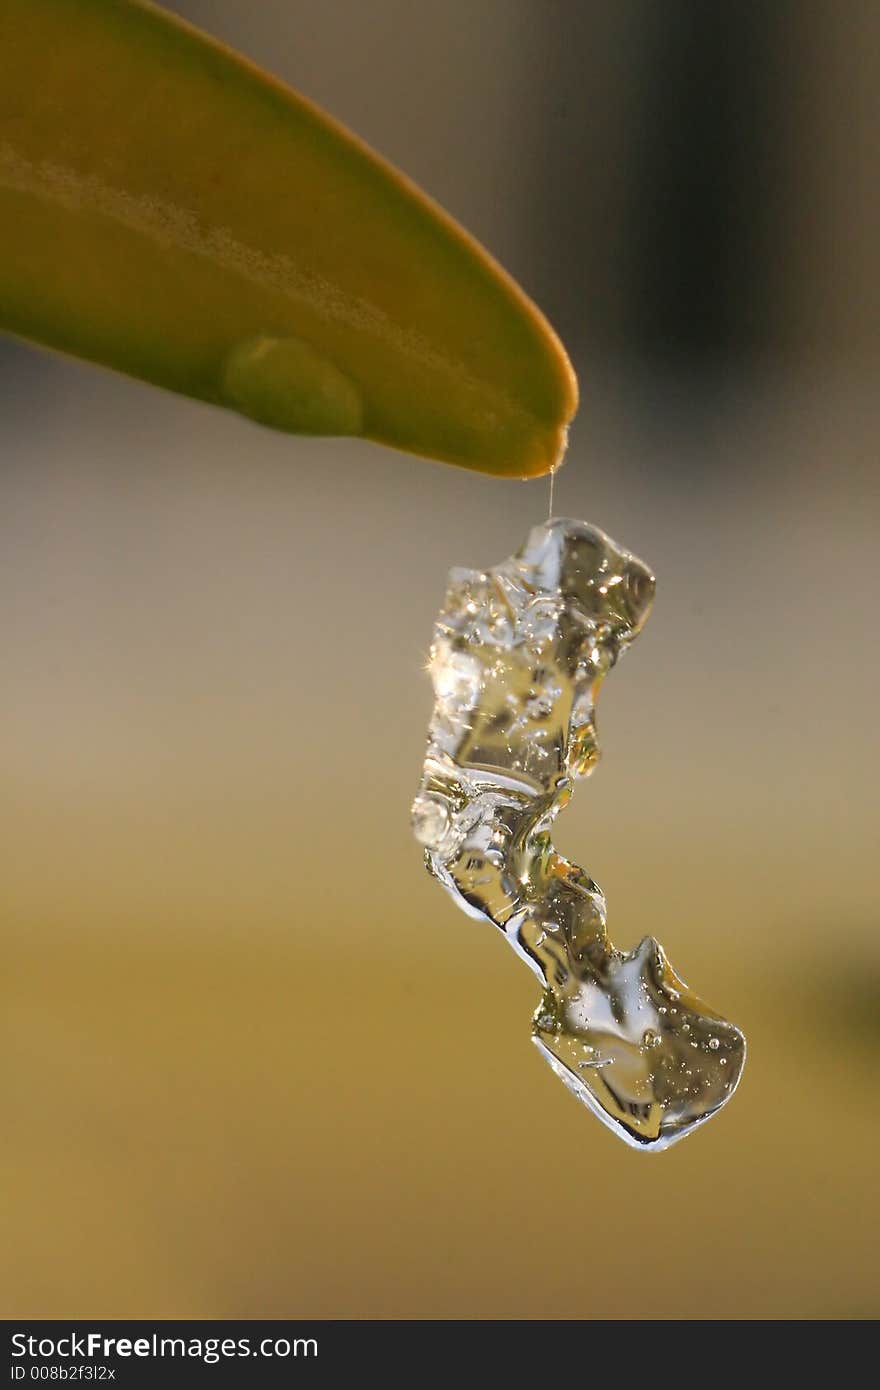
(518, 656)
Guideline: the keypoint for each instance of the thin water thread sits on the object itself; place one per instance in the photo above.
(552, 486)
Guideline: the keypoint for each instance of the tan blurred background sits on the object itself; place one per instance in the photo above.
(255, 1063)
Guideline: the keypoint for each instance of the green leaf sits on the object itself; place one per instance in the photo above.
(168, 210)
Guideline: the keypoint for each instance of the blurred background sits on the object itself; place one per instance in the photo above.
(255, 1062)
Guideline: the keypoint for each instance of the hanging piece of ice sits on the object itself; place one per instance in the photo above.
(518, 656)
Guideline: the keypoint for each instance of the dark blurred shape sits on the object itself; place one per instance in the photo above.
(707, 143)
(658, 151)
(705, 189)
